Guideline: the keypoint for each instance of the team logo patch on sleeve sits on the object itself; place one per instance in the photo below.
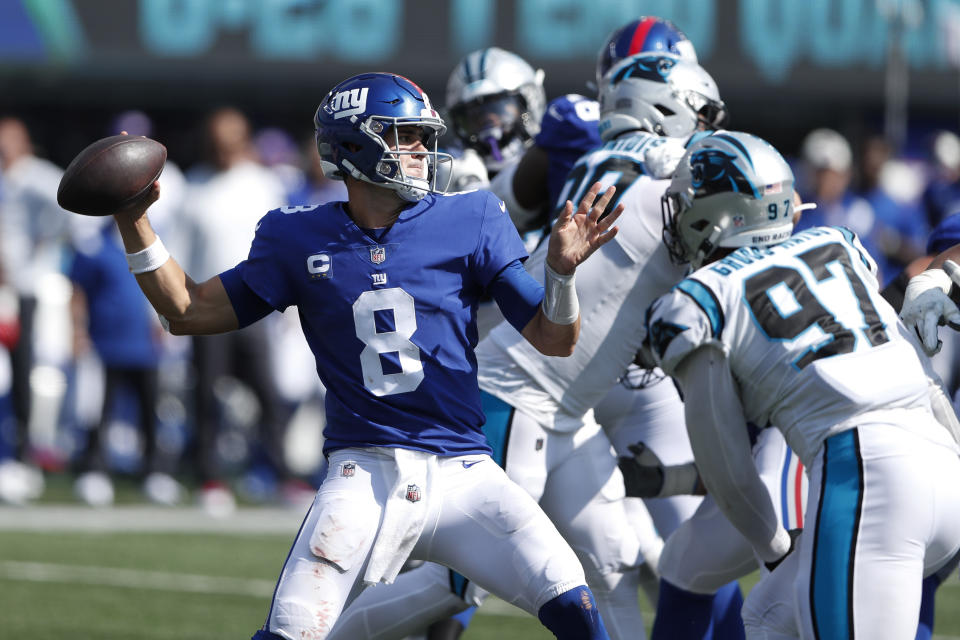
(413, 493)
(662, 334)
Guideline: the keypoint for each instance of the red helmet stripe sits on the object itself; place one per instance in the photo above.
(411, 82)
(636, 43)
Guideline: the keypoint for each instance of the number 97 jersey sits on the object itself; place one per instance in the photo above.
(812, 345)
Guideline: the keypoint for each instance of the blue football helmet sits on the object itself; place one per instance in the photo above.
(647, 34)
(357, 133)
(731, 189)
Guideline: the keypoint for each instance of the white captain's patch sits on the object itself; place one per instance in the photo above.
(319, 266)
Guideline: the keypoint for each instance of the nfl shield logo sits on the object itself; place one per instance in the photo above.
(347, 469)
(378, 255)
(413, 493)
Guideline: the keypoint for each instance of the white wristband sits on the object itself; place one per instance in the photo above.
(150, 259)
(560, 304)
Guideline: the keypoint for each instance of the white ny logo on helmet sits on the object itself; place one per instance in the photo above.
(348, 103)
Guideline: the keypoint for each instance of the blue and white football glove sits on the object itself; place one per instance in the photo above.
(927, 305)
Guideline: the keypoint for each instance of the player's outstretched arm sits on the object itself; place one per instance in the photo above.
(721, 448)
(188, 307)
(575, 236)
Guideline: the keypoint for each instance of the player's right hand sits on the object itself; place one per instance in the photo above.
(140, 207)
(927, 305)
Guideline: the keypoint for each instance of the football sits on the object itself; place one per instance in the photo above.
(111, 175)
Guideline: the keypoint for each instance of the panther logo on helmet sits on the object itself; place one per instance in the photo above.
(655, 68)
(716, 171)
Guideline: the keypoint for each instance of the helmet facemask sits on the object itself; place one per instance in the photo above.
(388, 167)
(498, 127)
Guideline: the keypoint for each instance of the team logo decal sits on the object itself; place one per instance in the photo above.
(646, 68)
(716, 171)
(379, 278)
(378, 255)
(348, 469)
(662, 334)
(413, 493)
(348, 103)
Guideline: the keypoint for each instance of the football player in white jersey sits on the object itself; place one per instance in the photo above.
(540, 410)
(791, 331)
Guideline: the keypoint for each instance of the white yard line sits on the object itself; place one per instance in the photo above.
(149, 519)
(133, 578)
(176, 582)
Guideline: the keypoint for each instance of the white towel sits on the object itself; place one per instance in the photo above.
(404, 514)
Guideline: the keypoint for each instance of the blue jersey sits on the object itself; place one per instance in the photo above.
(391, 321)
(569, 129)
(120, 320)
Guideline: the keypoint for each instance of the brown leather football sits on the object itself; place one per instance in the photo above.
(111, 175)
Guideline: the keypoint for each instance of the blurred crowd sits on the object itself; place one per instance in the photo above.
(92, 387)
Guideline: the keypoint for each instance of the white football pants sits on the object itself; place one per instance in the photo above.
(478, 522)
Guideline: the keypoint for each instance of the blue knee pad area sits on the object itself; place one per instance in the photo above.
(925, 624)
(726, 622)
(465, 616)
(573, 615)
(684, 615)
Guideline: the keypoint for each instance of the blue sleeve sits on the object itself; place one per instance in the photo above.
(248, 306)
(570, 124)
(263, 271)
(499, 243)
(83, 271)
(517, 294)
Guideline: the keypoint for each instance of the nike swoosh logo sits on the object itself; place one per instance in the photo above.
(469, 463)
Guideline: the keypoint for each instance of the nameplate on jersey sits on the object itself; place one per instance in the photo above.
(319, 266)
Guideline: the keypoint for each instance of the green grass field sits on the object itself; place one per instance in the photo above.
(152, 586)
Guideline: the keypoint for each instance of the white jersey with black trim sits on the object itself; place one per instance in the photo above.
(811, 343)
(614, 287)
